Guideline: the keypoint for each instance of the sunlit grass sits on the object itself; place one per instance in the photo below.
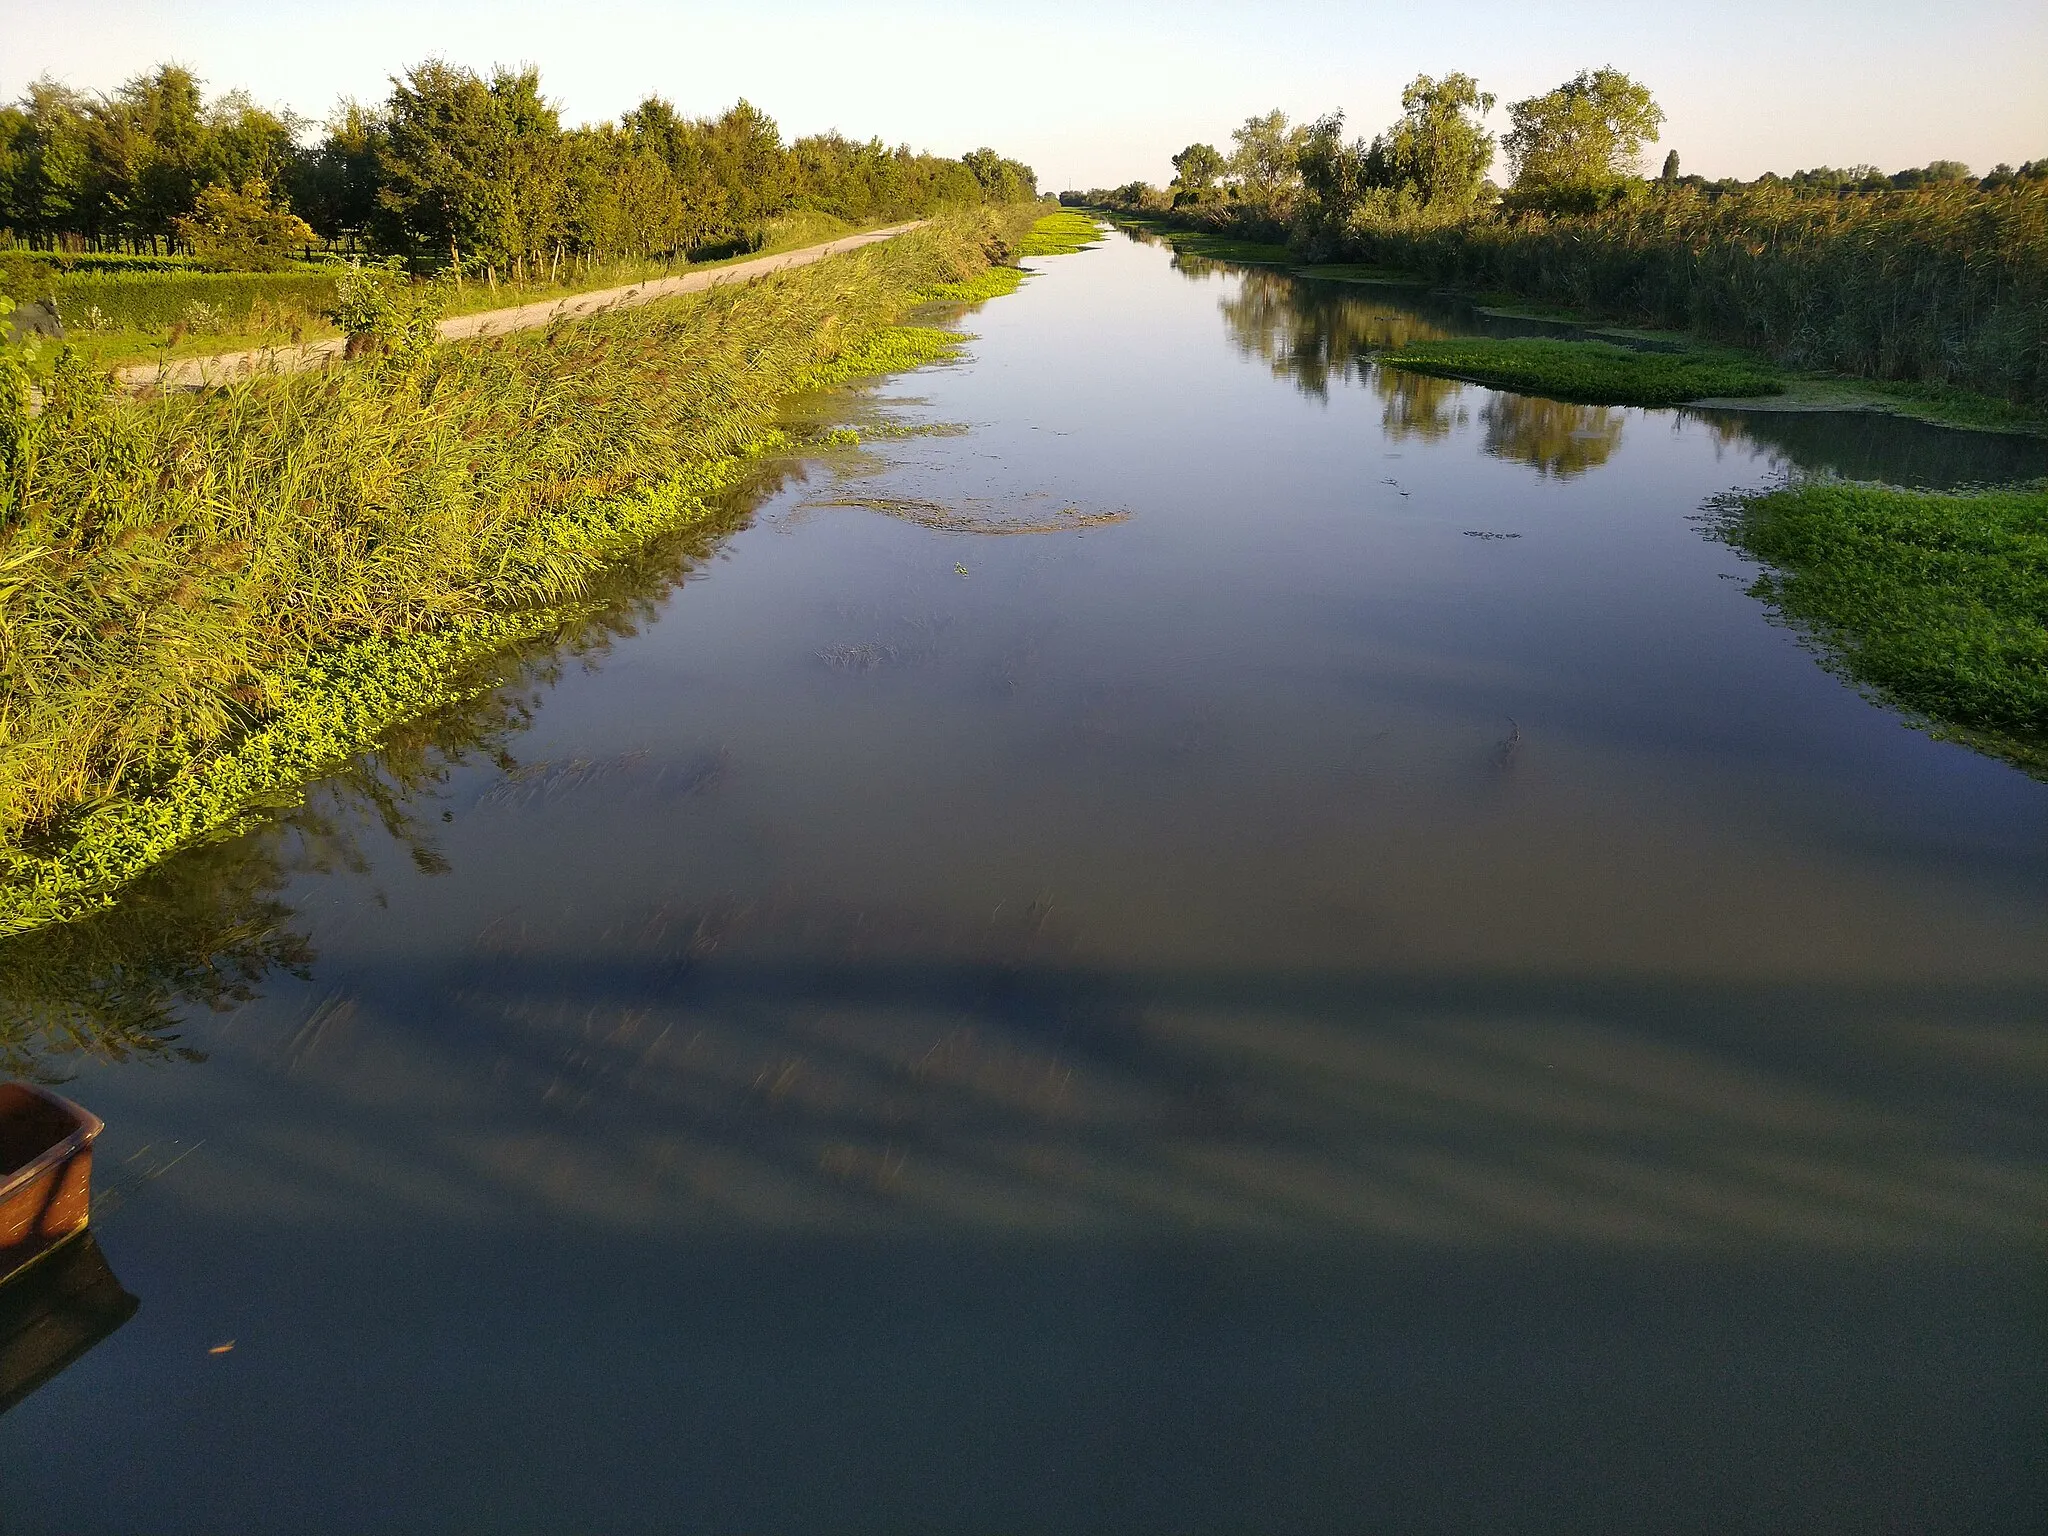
(204, 598)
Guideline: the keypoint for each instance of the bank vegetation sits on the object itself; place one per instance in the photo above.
(1930, 278)
(207, 598)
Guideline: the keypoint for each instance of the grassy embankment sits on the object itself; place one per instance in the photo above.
(208, 599)
(122, 315)
(1937, 603)
(1924, 304)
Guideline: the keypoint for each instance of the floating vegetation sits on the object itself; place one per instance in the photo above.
(1937, 603)
(975, 515)
(1062, 234)
(1590, 372)
(1477, 533)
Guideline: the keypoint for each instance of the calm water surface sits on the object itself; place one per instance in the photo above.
(1197, 938)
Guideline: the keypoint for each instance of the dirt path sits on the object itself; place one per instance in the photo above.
(199, 372)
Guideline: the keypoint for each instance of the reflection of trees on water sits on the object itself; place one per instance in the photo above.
(1556, 438)
(206, 928)
(1316, 332)
(1419, 405)
(1870, 445)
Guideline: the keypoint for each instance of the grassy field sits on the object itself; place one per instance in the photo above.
(207, 599)
(119, 314)
(1589, 372)
(1937, 603)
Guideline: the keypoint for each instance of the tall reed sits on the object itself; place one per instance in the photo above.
(170, 567)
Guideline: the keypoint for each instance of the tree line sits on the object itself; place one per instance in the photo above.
(1575, 149)
(453, 167)
(1929, 275)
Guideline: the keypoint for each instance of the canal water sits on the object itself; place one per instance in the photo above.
(1198, 936)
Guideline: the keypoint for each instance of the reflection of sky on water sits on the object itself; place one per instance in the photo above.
(1269, 1006)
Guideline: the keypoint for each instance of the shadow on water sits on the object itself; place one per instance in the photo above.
(53, 1313)
(202, 931)
(776, 1065)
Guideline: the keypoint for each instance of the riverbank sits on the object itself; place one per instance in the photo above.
(219, 368)
(210, 598)
(1799, 389)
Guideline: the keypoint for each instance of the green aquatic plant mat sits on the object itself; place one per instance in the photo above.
(1061, 234)
(1938, 603)
(1590, 372)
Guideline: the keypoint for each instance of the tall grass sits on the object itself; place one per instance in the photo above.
(193, 587)
(1942, 286)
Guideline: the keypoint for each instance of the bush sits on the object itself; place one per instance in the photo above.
(243, 231)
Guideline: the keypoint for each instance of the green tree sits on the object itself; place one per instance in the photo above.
(1196, 169)
(47, 162)
(1577, 147)
(1335, 175)
(147, 143)
(1001, 181)
(1440, 148)
(243, 230)
(335, 186)
(470, 167)
(1266, 158)
(1669, 175)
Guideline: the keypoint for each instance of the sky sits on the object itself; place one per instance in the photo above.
(1098, 92)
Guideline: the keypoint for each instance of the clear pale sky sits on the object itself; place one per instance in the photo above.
(1093, 92)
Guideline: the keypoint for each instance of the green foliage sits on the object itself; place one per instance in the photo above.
(1939, 603)
(243, 230)
(1575, 148)
(1001, 181)
(379, 308)
(1267, 158)
(1440, 149)
(202, 302)
(1947, 286)
(1591, 372)
(454, 169)
(467, 164)
(206, 598)
(125, 166)
(1196, 169)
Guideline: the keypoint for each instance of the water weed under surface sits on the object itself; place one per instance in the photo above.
(205, 599)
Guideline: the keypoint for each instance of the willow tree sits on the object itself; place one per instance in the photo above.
(1267, 158)
(1440, 148)
(1577, 147)
(1196, 169)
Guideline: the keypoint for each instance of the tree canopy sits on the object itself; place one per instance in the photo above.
(1579, 145)
(452, 166)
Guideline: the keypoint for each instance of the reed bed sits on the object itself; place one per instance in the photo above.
(1942, 286)
(206, 598)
